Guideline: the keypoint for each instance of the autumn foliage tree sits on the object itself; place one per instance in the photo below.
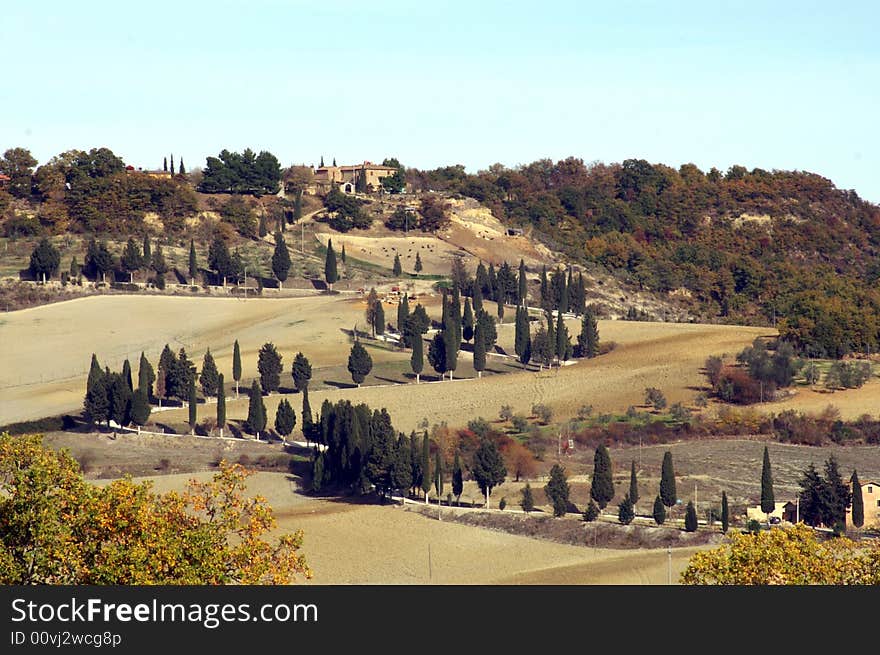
(55, 528)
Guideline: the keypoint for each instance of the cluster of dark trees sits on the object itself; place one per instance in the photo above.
(244, 173)
(663, 229)
(92, 192)
(346, 211)
(362, 449)
(823, 500)
(111, 396)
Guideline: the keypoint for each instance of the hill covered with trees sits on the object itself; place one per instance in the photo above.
(755, 246)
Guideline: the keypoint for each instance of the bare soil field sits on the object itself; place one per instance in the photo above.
(436, 254)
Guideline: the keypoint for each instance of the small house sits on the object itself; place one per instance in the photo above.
(871, 502)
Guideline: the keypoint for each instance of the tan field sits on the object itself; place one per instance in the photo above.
(369, 544)
(32, 385)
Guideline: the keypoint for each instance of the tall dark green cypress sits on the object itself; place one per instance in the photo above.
(457, 479)
(858, 501)
(633, 484)
(725, 513)
(146, 254)
(522, 291)
(426, 466)
(221, 404)
(140, 408)
(561, 337)
(402, 313)
(522, 337)
(588, 339)
(146, 376)
(256, 418)
(396, 269)
(331, 275)
(236, 365)
(467, 321)
(602, 487)
(768, 501)
(193, 401)
(193, 262)
(307, 420)
(451, 350)
(667, 481)
(546, 296)
(479, 350)
(564, 291)
(690, 518)
(659, 512)
(95, 372)
(209, 377)
(477, 299)
(417, 359)
(126, 374)
(438, 475)
(455, 317)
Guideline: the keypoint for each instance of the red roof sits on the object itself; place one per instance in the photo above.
(4, 178)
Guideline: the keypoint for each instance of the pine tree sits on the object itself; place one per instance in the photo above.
(396, 270)
(330, 272)
(417, 359)
(837, 496)
(725, 513)
(131, 258)
(522, 291)
(280, 260)
(209, 377)
(768, 502)
(667, 481)
(528, 502)
(557, 490)
(193, 418)
(269, 366)
(426, 466)
(359, 363)
(690, 518)
(858, 502)
(457, 479)
(467, 321)
(285, 418)
(140, 408)
(660, 511)
(418, 265)
(437, 353)
(256, 418)
(146, 376)
(592, 512)
(625, 511)
(193, 262)
(236, 365)
(301, 371)
(97, 403)
(602, 487)
(221, 404)
(126, 375)
(633, 484)
(479, 351)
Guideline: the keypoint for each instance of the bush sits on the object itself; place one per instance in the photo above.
(655, 398)
(479, 426)
(502, 503)
(754, 526)
(591, 513)
(520, 423)
(584, 412)
(506, 413)
(544, 413)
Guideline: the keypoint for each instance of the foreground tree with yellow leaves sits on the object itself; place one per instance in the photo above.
(786, 556)
(56, 528)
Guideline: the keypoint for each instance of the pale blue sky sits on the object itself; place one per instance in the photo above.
(788, 85)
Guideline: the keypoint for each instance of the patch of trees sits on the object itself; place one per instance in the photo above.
(823, 500)
(242, 173)
(758, 374)
(347, 212)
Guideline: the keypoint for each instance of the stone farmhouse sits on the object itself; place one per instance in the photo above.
(346, 177)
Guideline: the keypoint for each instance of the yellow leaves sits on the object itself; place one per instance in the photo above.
(789, 556)
(55, 528)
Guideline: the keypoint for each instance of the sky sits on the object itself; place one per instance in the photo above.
(775, 85)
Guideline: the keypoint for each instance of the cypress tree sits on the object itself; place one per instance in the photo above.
(131, 258)
(221, 404)
(209, 376)
(165, 164)
(492, 283)
(415, 459)
(444, 315)
(457, 479)
(588, 340)
(297, 208)
(561, 337)
(236, 365)
(285, 418)
(95, 372)
(418, 265)
(140, 408)
(146, 256)
(97, 403)
(182, 170)
(269, 366)
(625, 511)
(467, 322)
(301, 371)
(500, 302)
(437, 353)
(172, 163)
(74, 267)
(660, 511)
(488, 468)
(193, 262)
(768, 502)
(280, 260)
(317, 468)
(438, 475)
(119, 398)
(528, 502)
(477, 299)
(725, 513)
(126, 375)
(690, 518)
(330, 272)
(546, 301)
(146, 376)
(379, 318)
(479, 351)
(193, 418)
(256, 418)
(455, 316)
(396, 269)
(592, 512)
(263, 228)
(564, 293)
(557, 490)
(451, 357)
(521, 333)
(426, 466)
(602, 487)
(359, 363)
(402, 313)
(307, 421)
(417, 359)
(633, 484)
(858, 502)
(342, 254)
(522, 291)
(667, 481)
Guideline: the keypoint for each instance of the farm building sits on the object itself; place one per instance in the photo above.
(871, 500)
(347, 176)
